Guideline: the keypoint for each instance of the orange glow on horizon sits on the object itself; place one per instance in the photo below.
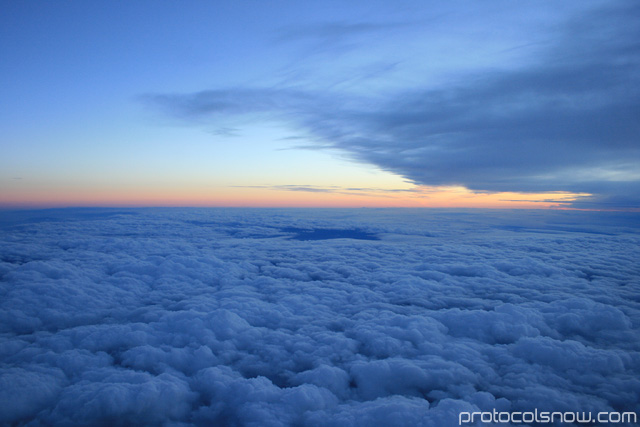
(436, 197)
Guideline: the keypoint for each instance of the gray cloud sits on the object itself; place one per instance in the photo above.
(356, 191)
(568, 122)
(213, 103)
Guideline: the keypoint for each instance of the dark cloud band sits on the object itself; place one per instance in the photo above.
(567, 122)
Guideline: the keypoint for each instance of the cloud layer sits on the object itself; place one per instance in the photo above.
(220, 317)
(564, 120)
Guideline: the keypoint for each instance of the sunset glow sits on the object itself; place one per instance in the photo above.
(452, 197)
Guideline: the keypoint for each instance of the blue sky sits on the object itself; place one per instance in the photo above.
(320, 103)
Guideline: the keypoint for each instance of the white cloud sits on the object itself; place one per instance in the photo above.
(218, 316)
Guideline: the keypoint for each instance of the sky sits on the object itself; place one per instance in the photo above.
(332, 103)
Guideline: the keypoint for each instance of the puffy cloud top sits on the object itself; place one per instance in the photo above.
(200, 317)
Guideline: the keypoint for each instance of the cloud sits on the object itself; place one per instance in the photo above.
(338, 39)
(352, 191)
(294, 187)
(215, 316)
(213, 103)
(566, 121)
(306, 188)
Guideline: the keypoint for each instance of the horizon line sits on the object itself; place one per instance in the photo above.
(544, 208)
